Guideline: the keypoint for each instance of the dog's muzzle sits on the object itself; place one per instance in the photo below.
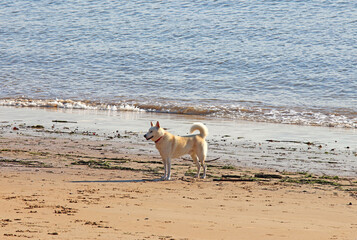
(147, 137)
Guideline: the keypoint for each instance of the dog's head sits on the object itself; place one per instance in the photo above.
(155, 132)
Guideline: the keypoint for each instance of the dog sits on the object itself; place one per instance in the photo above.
(171, 146)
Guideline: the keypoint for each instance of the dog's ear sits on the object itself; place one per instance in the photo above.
(157, 124)
(152, 124)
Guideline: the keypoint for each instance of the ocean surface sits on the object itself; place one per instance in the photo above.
(292, 62)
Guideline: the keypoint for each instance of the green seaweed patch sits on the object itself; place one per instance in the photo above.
(93, 163)
(311, 181)
(108, 159)
(330, 177)
(190, 173)
(26, 163)
(12, 150)
(108, 166)
(39, 153)
(229, 167)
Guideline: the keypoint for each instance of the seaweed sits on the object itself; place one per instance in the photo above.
(311, 181)
(108, 166)
(27, 163)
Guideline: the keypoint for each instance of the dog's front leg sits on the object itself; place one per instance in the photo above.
(168, 169)
(164, 160)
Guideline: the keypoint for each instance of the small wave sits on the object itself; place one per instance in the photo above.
(307, 118)
(338, 118)
(67, 104)
(178, 108)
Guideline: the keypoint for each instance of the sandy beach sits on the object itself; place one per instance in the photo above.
(66, 185)
(274, 82)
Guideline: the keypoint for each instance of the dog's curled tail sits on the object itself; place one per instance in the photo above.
(200, 127)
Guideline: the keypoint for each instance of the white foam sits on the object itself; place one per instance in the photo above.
(258, 114)
(67, 104)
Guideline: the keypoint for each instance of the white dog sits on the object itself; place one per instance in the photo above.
(171, 146)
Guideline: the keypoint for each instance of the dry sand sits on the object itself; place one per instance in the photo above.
(72, 187)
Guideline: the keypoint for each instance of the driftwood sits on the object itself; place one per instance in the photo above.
(187, 159)
(231, 176)
(238, 178)
(263, 175)
(63, 121)
(233, 179)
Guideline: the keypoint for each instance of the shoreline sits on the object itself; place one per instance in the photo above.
(275, 147)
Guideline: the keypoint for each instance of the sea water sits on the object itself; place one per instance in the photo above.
(291, 62)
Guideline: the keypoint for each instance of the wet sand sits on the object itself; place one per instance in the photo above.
(317, 150)
(63, 183)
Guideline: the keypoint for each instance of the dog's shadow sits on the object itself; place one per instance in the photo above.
(120, 181)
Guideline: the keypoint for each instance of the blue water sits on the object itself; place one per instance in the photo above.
(280, 61)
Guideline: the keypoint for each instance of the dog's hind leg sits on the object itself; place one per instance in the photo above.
(204, 168)
(195, 160)
(202, 158)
